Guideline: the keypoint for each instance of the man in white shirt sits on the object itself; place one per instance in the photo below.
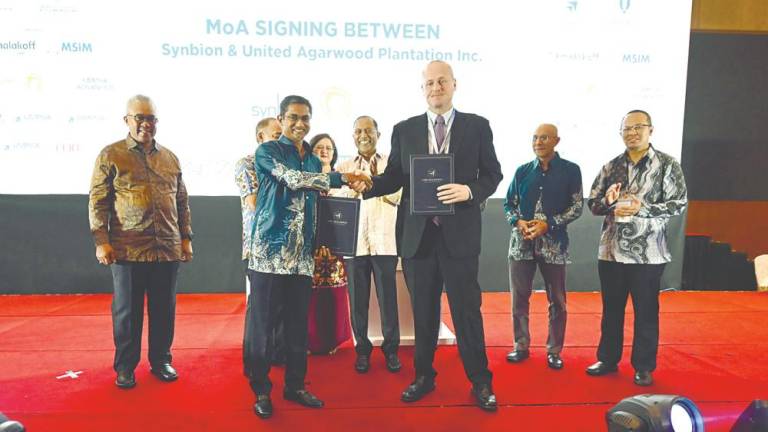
(376, 253)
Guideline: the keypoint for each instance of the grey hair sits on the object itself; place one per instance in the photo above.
(139, 98)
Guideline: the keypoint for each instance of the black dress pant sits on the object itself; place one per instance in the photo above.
(131, 281)
(642, 282)
(277, 338)
(270, 292)
(359, 271)
(426, 273)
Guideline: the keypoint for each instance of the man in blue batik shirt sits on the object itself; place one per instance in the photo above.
(281, 263)
(267, 129)
(544, 197)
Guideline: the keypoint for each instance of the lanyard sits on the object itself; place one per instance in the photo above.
(446, 141)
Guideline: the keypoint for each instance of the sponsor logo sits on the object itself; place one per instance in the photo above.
(76, 47)
(635, 58)
(18, 45)
(95, 83)
(337, 103)
(58, 8)
(624, 5)
(33, 117)
(261, 111)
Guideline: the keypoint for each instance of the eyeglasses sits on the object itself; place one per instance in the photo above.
(543, 138)
(636, 128)
(141, 118)
(293, 118)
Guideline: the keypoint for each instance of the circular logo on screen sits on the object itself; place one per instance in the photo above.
(337, 103)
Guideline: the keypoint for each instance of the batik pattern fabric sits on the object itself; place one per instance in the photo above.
(245, 179)
(286, 208)
(138, 202)
(554, 196)
(657, 181)
(329, 270)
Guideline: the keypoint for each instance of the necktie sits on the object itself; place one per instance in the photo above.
(439, 139)
(372, 165)
(439, 133)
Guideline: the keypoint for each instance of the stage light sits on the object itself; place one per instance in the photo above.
(7, 425)
(654, 413)
(753, 419)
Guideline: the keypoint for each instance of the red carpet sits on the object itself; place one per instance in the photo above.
(713, 347)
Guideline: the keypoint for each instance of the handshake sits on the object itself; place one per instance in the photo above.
(359, 181)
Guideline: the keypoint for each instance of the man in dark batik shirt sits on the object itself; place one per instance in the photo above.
(544, 197)
(637, 192)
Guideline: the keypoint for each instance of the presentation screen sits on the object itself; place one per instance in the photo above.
(214, 69)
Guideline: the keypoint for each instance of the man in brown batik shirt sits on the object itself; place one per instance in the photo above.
(140, 221)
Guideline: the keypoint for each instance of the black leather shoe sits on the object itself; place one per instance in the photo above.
(418, 389)
(125, 380)
(601, 368)
(165, 372)
(484, 396)
(263, 406)
(362, 363)
(554, 361)
(517, 356)
(303, 397)
(643, 378)
(393, 362)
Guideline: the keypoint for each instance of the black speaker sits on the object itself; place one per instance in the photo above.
(7, 425)
(753, 419)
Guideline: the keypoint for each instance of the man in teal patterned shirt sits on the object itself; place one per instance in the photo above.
(281, 262)
(544, 197)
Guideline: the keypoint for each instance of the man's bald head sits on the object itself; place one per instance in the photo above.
(268, 129)
(545, 138)
(438, 86)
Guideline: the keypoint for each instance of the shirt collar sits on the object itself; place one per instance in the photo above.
(553, 163)
(285, 141)
(376, 156)
(133, 144)
(447, 116)
(648, 156)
